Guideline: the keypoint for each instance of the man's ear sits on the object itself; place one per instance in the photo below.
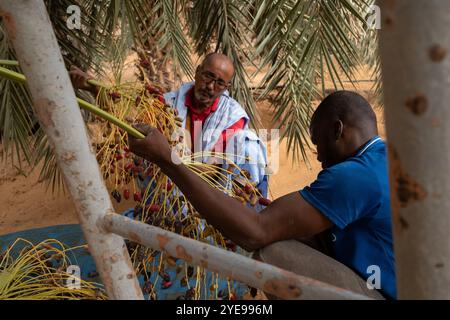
(338, 129)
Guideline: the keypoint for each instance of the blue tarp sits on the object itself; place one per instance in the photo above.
(72, 236)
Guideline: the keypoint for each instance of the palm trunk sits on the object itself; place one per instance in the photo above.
(55, 105)
(415, 52)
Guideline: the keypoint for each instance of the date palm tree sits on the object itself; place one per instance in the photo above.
(296, 43)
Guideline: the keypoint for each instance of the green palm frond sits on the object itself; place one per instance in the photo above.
(151, 25)
(370, 53)
(309, 46)
(16, 116)
(21, 135)
(173, 37)
(81, 47)
(50, 174)
(378, 83)
(372, 59)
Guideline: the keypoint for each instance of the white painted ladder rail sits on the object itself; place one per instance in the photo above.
(55, 106)
(270, 279)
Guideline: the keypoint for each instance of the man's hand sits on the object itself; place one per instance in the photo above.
(80, 79)
(154, 147)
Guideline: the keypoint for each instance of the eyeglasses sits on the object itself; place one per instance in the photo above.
(211, 77)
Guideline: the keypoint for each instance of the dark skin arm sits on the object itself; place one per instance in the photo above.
(80, 79)
(289, 217)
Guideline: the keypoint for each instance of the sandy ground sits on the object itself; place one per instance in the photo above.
(26, 203)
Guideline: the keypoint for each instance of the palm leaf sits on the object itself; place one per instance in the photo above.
(16, 117)
(173, 38)
(308, 41)
(82, 47)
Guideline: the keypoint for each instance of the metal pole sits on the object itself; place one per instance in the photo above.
(415, 55)
(260, 275)
(55, 105)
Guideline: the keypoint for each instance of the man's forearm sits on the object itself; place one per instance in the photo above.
(234, 220)
(94, 90)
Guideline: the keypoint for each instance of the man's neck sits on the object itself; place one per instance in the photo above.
(361, 141)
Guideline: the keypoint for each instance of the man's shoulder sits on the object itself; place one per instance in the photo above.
(185, 86)
(230, 100)
(350, 174)
(347, 168)
(229, 108)
(171, 96)
(369, 163)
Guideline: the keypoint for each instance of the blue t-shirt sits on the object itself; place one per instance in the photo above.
(354, 196)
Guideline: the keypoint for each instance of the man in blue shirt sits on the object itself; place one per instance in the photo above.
(349, 200)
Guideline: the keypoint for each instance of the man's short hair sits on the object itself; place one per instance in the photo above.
(349, 107)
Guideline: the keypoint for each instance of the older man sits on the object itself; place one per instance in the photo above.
(350, 198)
